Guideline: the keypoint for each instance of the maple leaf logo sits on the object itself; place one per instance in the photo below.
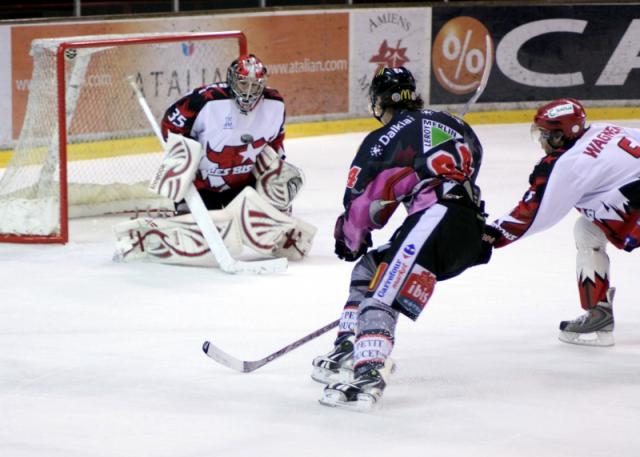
(390, 57)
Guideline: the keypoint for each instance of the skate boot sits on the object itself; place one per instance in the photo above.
(335, 366)
(594, 328)
(362, 394)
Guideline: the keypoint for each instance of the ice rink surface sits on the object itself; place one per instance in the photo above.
(103, 359)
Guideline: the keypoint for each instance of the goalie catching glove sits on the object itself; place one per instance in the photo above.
(277, 181)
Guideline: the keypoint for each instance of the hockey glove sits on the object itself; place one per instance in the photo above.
(489, 236)
(630, 243)
(341, 249)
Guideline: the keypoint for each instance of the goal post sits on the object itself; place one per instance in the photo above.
(86, 147)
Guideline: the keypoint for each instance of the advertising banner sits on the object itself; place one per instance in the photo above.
(5, 87)
(589, 52)
(387, 37)
(308, 64)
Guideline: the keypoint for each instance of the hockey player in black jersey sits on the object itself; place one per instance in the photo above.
(427, 161)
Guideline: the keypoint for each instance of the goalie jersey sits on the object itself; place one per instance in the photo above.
(230, 139)
(599, 176)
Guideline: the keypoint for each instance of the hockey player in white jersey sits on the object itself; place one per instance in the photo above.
(232, 121)
(237, 128)
(595, 169)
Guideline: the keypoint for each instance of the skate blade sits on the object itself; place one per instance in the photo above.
(363, 404)
(601, 339)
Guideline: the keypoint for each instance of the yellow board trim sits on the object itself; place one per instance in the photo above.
(114, 148)
(483, 117)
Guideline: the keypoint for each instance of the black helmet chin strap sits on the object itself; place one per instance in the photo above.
(374, 110)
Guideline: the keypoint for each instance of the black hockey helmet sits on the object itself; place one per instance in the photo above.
(393, 87)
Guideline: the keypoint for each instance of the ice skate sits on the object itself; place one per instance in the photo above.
(337, 365)
(364, 393)
(594, 328)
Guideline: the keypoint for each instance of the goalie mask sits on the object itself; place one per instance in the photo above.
(247, 78)
(393, 87)
(557, 125)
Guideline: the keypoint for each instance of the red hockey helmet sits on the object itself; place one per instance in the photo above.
(566, 114)
(247, 78)
(557, 124)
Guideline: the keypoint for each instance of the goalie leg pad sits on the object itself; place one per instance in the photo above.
(176, 241)
(269, 231)
(277, 181)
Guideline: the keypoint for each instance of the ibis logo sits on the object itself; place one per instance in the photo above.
(459, 54)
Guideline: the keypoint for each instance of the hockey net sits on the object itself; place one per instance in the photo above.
(86, 147)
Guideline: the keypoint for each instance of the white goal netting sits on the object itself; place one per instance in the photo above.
(107, 153)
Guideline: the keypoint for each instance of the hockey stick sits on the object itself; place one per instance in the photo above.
(483, 80)
(200, 213)
(245, 366)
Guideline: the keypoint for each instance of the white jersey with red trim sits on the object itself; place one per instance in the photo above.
(599, 176)
(230, 139)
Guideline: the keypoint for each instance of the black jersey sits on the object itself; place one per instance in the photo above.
(416, 158)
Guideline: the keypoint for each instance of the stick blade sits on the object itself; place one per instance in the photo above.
(223, 358)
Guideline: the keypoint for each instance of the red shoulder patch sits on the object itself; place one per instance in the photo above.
(272, 94)
(214, 92)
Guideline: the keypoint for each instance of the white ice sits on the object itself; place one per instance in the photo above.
(103, 359)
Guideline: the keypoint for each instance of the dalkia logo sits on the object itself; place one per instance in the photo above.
(459, 54)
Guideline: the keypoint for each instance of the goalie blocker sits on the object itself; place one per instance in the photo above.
(250, 219)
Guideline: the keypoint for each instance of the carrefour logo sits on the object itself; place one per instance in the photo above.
(390, 277)
(409, 250)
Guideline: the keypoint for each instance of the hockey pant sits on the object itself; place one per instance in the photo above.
(592, 263)
(399, 277)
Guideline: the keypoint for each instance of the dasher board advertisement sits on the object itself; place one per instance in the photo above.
(387, 37)
(589, 52)
(308, 64)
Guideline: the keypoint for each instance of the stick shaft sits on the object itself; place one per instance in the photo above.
(247, 366)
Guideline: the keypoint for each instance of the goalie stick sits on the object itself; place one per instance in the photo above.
(199, 212)
(483, 80)
(246, 366)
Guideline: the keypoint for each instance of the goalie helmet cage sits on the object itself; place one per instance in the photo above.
(86, 148)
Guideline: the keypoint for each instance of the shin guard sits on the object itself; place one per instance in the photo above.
(592, 263)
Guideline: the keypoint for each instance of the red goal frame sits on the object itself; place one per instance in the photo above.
(63, 236)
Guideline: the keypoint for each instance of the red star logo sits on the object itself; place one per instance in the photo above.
(390, 57)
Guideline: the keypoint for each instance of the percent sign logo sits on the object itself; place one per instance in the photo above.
(458, 54)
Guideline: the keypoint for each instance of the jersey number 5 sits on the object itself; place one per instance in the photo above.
(626, 145)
